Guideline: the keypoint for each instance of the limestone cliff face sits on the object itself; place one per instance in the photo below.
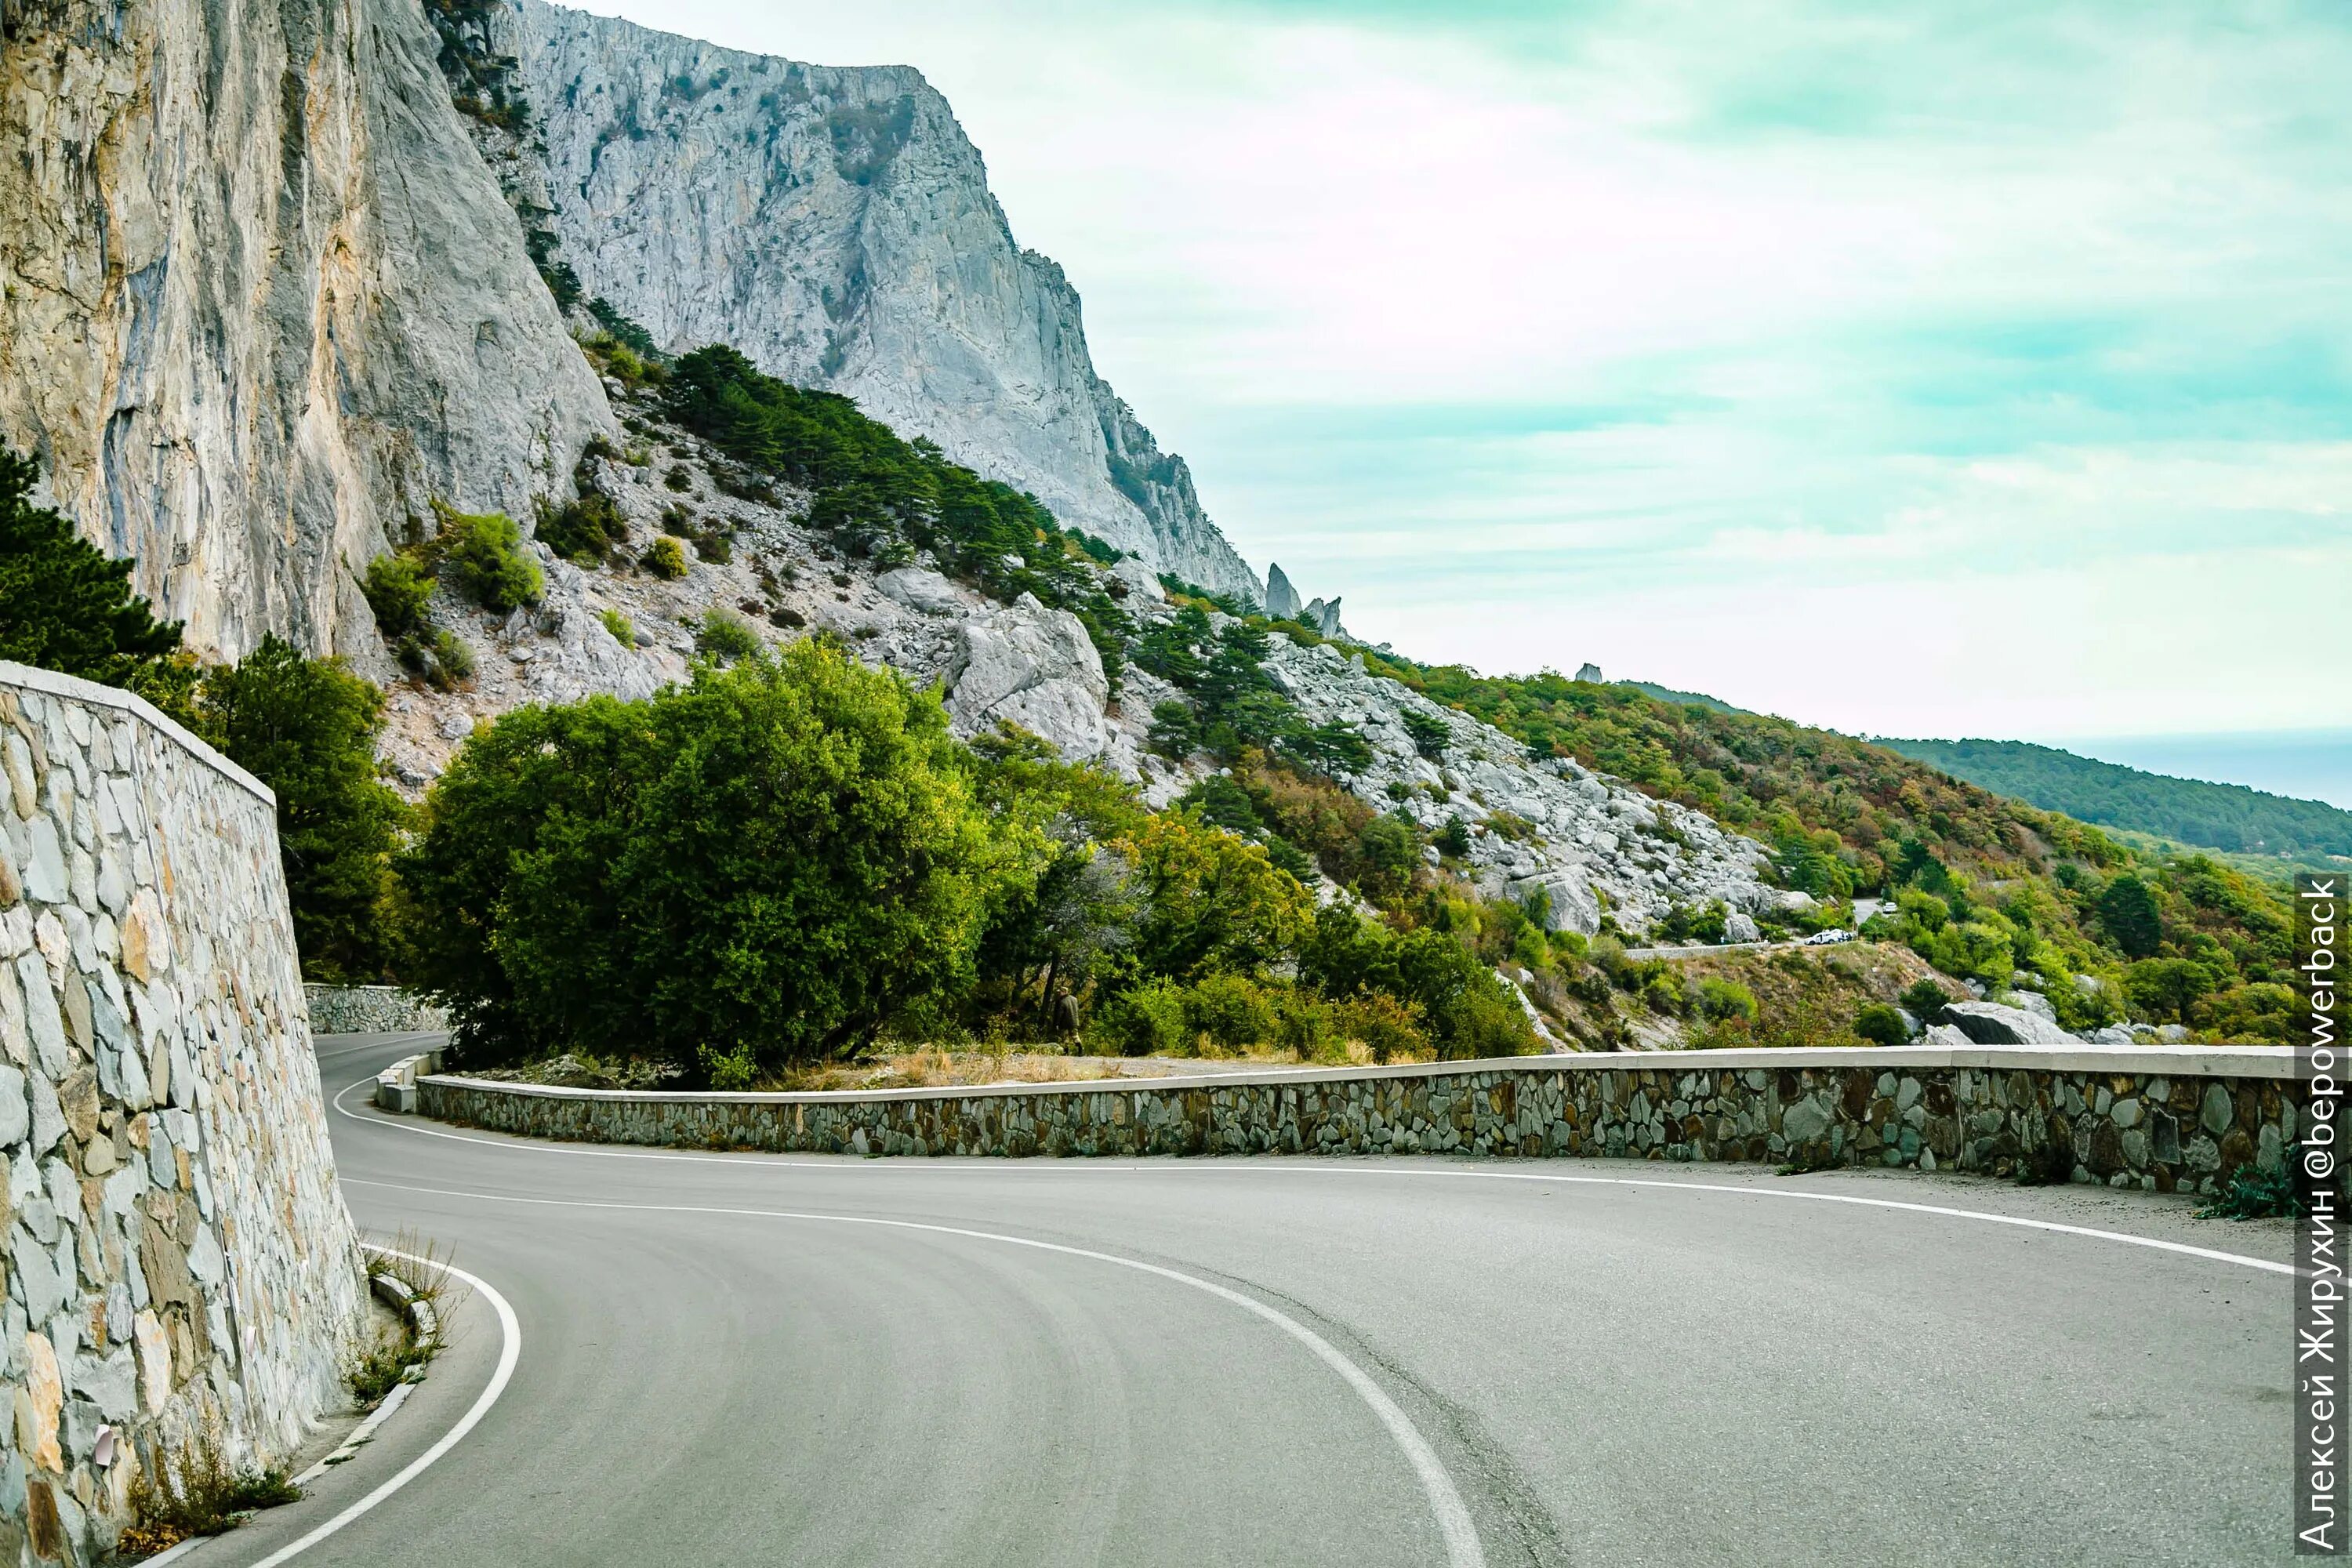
(836, 226)
(259, 298)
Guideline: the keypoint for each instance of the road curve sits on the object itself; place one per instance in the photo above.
(814, 1362)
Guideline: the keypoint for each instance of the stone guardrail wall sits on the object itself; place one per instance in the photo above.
(370, 1009)
(2161, 1118)
(178, 1258)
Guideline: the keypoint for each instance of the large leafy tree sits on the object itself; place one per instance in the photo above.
(767, 865)
(307, 728)
(64, 606)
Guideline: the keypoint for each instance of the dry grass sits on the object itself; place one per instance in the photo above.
(195, 1491)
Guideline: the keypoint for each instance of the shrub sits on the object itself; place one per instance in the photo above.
(775, 859)
(1428, 732)
(307, 728)
(667, 558)
(398, 587)
(1454, 838)
(584, 529)
(1881, 1024)
(1146, 1020)
(726, 636)
(624, 630)
(2253, 1192)
(1925, 1000)
(483, 555)
(715, 548)
(1387, 1026)
(1229, 1012)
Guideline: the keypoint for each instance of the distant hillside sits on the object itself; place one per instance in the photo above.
(2216, 816)
(1685, 699)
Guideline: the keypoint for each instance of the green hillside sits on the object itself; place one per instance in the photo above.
(2213, 815)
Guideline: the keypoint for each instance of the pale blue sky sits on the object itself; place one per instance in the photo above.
(1926, 370)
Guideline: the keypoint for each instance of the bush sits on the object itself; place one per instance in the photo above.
(726, 636)
(624, 630)
(307, 728)
(1454, 838)
(667, 558)
(1428, 732)
(1925, 1000)
(1231, 1012)
(1881, 1024)
(1146, 1020)
(583, 530)
(1721, 1001)
(1385, 1025)
(773, 861)
(398, 587)
(484, 557)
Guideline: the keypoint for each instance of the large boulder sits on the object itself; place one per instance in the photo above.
(922, 591)
(1739, 926)
(1035, 667)
(1568, 901)
(1990, 1024)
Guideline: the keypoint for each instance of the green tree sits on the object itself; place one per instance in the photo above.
(769, 864)
(2128, 912)
(2162, 985)
(307, 728)
(1880, 1025)
(1214, 901)
(64, 606)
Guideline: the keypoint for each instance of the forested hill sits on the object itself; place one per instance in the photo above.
(2216, 816)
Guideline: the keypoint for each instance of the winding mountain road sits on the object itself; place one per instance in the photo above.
(738, 1359)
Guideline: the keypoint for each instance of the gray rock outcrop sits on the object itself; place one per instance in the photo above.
(1281, 598)
(836, 226)
(1024, 664)
(260, 298)
(1588, 844)
(1992, 1024)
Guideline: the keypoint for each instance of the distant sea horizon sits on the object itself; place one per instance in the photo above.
(2303, 764)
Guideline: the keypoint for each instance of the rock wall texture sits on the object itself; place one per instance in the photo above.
(836, 226)
(177, 1254)
(260, 298)
(368, 1009)
(2161, 1119)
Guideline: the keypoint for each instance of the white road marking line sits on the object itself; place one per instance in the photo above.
(1311, 1165)
(509, 1351)
(1454, 1522)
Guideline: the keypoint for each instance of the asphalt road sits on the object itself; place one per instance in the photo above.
(736, 1359)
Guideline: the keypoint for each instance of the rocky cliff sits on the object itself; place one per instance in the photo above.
(836, 226)
(260, 298)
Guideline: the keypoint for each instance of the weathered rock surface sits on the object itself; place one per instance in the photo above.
(1033, 667)
(836, 226)
(1281, 598)
(1992, 1024)
(259, 299)
(1557, 827)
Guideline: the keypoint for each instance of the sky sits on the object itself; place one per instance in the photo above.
(1935, 368)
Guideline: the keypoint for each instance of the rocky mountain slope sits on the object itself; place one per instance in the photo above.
(260, 298)
(836, 226)
(1589, 843)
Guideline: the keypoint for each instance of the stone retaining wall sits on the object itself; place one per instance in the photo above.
(178, 1258)
(370, 1009)
(2164, 1119)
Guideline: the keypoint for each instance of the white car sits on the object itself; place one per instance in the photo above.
(1827, 938)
